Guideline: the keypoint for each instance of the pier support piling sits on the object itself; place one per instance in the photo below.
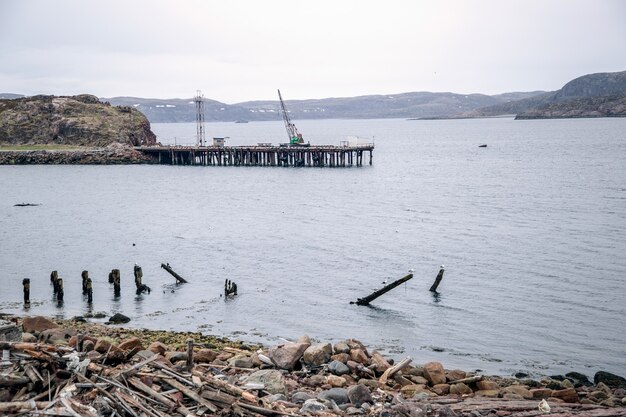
(438, 279)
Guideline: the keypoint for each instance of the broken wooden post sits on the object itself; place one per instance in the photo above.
(111, 277)
(79, 342)
(189, 354)
(433, 288)
(54, 276)
(85, 276)
(366, 300)
(138, 275)
(115, 275)
(59, 289)
(26, 285)
(89, 291)
(230, 288)
(179, 279)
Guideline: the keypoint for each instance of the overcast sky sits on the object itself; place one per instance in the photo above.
(244, 50)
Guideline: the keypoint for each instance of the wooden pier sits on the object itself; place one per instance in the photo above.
(261, 155)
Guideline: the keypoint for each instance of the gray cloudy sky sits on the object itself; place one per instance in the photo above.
(244, 50)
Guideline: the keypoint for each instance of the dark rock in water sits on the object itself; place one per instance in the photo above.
(79, 319)
(482, 146)
(118, 318)
(338, 395)
(557, 377)
(521, 375)
(612, 380)
(554, 385)
(579, 378)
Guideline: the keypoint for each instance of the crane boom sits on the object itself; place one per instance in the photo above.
(294, 136)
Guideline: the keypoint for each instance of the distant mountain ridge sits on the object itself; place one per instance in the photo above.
(403, 105)
(592, 95)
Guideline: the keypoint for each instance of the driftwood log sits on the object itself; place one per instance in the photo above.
(366, 300)
(179, 279)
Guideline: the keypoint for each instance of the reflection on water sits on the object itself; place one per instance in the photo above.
(524, 227)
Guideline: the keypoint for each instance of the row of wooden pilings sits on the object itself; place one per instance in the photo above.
(285, 156)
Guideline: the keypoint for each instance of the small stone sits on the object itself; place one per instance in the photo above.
(240, 361)
(511, 396)
(455, 375)
(359, 355)
(409, 391)
(300, 397)
(489, 393)
(434, 373)
(460, 389)
(131, 343)
(336, 381)
(353, 411)
(604, 388)
(381, 363)
(204, 356)
(88, 346)
(104, 346)
(317, 354)
(273, 380)
(341, 357)
(287, 355)
(224, 356)
(609, 402)
(57, 336)
(486, 384)
(28, 338)
(119, 318)
(304, 339)
(624, 401)
(158, 348)
(341, 347)
(597, 396)
(338, 395)
(274, 397)
(520, 390)
(312, 406)
(359, 394)
(316, 380)
(566, 383)
(568, 395)
(441, 389)
(419, 380)
(338, 368)
(175, 356)
(541, 393)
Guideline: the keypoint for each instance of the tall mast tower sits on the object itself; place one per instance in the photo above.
(200, 140)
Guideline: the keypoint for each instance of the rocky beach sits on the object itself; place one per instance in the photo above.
(79, 368)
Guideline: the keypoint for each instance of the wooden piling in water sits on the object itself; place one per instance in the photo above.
(26, 288)
(85, 276)
(179, 279)
(438, 279)
(89, 289)
(114, 278)
(54, 276)
(366, 300)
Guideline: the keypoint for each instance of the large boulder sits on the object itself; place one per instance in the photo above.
(272, 380)
(131, 343)
(434, 373)
(119, 318)
(287, 355)
(37, 324)
(612, 380)
(204, 356)
(317, 354)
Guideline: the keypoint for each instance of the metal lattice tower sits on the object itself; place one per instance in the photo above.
(200, 140)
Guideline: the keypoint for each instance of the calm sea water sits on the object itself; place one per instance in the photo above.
(531, 229)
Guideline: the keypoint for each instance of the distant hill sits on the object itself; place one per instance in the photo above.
(593, 95)
(71, 120)
(10, 96)
(404, 105)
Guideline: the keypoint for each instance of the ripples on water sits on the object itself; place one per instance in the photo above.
(531, 230)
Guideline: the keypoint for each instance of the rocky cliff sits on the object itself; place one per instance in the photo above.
(77, 120)
(592, 95)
